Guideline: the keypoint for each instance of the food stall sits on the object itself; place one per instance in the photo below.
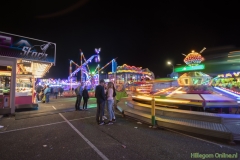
(22, 60)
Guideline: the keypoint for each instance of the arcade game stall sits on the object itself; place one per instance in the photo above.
(22, 60)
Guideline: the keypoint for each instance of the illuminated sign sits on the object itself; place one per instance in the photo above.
(27, 48)
(189, 68)
(234, 74)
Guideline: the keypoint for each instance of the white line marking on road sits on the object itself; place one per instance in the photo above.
(85, 139)
(32, 127)
(54, 107)
(14, 130)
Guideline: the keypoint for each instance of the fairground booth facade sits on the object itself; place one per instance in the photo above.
(22, 60)
(130, 74)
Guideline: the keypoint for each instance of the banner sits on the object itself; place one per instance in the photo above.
(26, 48)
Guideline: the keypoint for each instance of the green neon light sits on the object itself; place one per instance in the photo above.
(189, 68)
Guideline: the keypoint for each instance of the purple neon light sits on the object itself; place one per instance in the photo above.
(233, 94)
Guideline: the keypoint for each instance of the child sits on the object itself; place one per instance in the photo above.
(85, 97)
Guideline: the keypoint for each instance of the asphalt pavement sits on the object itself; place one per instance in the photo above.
(56, 131)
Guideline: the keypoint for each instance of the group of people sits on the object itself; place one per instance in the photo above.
(105, 97)
(105, 94)
(43, 93)
(81, 93)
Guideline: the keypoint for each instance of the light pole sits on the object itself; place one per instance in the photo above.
(169, 63)
(102, 75)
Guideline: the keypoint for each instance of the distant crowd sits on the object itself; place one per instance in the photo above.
(43, 93)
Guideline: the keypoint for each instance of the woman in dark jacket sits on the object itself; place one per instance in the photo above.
(85, 97)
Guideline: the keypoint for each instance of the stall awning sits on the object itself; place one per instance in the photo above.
(36, 69)
(40, 69)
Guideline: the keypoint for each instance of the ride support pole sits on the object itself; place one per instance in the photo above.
(70, 75)
(81, 55)
(153, 111)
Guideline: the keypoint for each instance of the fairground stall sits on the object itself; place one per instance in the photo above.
(228, 82)
(22, 60)
(129, 74)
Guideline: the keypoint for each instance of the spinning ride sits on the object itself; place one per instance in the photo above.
(194, 90)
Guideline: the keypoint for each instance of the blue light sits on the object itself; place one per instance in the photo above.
(233, 94)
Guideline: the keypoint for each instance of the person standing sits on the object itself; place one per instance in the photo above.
(105, 104)
(114, 102)
(100, 96)
(110, 102)
(78, 92)
(85, 97)
(47, 92)
(55, 92)
(60, 90)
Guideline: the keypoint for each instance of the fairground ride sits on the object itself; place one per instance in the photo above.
(91, 78)
(83, 65)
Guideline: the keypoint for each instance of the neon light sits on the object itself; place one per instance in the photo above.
(233, 94)
(236, 74)
(193, 59)
(162, 100)
(189, 68)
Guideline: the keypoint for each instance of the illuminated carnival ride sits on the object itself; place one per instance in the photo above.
(189, 104)
(88, 77)
(193, 90)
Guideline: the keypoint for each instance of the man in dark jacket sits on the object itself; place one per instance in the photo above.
(100, 96)
(78, 92)
(85, 96)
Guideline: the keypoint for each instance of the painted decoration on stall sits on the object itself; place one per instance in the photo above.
(26, 48)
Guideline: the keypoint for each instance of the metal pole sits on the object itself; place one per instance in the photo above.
(98, 73)
(115, 79)
(33, 88)
(70, 75)
(81, 65)
(153, 111)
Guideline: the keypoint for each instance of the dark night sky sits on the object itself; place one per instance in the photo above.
(140, 33)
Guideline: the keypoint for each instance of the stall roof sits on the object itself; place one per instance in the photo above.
(40, 69)
(36, 69)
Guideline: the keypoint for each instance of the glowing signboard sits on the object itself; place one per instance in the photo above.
(26, 48)
(189, 68)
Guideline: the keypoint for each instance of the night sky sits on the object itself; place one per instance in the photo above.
(140, 33)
